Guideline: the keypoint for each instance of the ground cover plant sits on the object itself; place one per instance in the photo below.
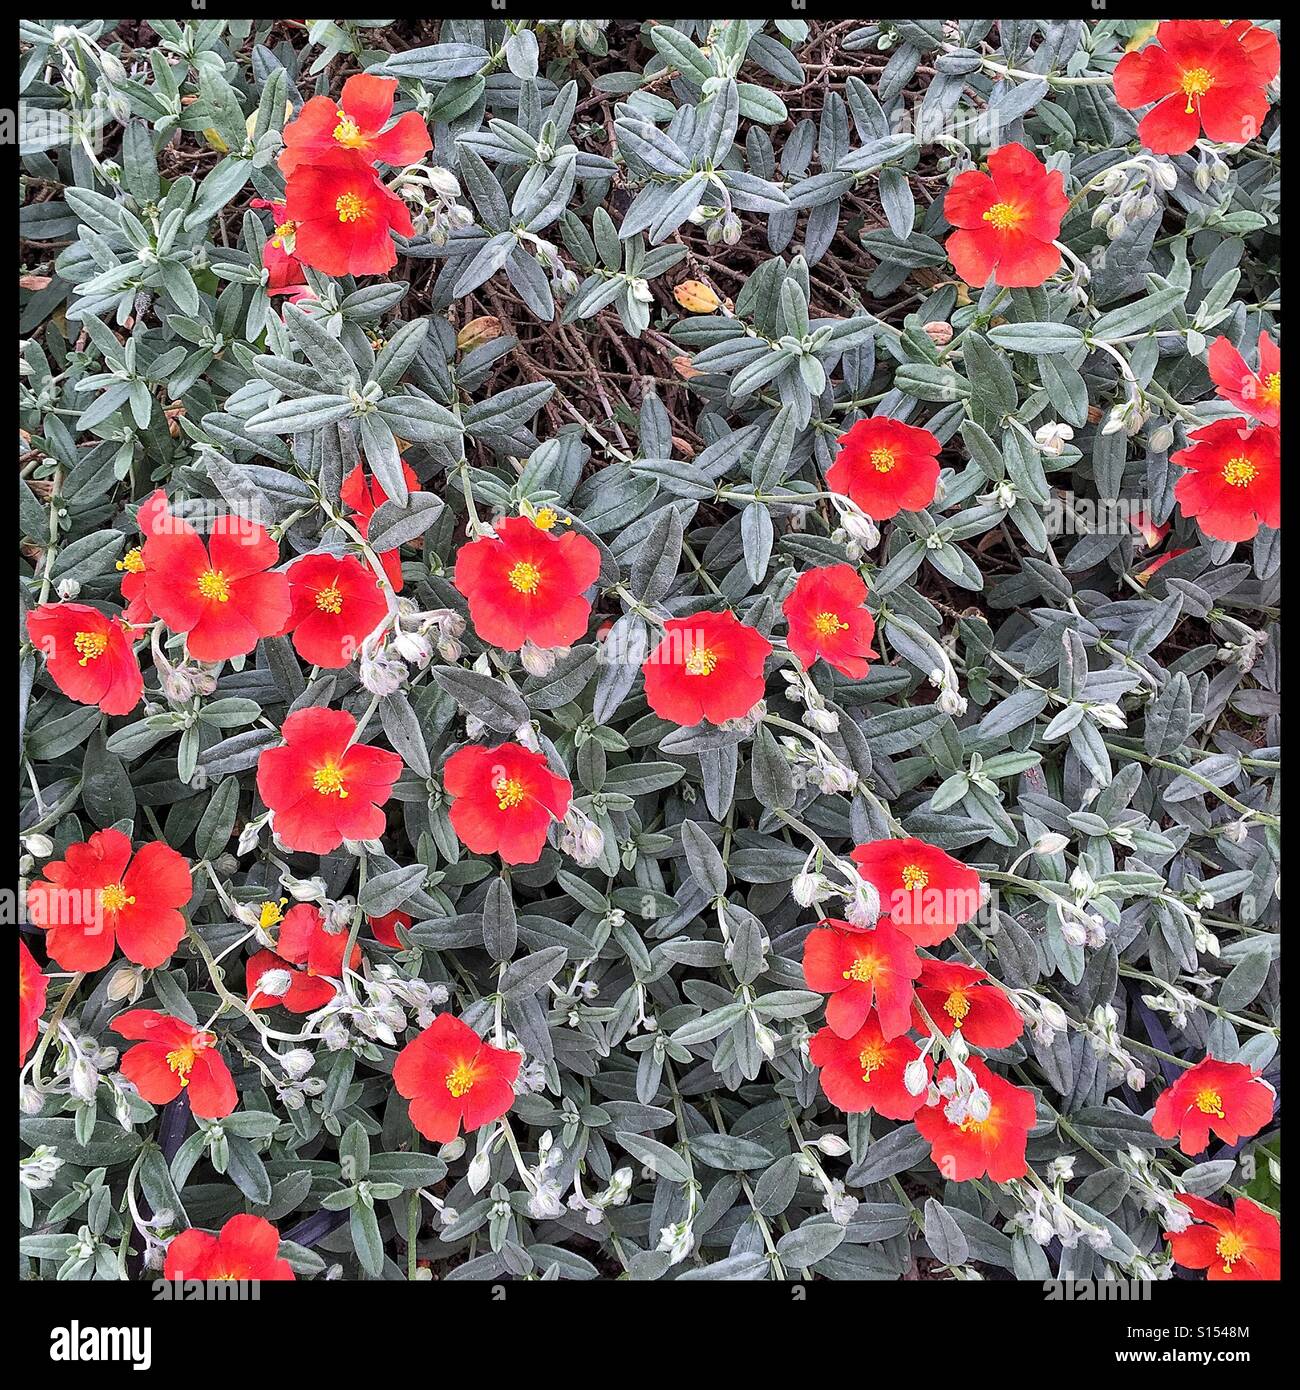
(649, 650)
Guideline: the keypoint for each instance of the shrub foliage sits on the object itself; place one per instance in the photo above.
(496, 582)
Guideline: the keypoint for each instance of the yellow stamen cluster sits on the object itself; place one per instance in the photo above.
(826, 623)
(1004, 216)
(132, 562)
(914, 876)
(701, 661)
(547, 519)
(283, 234)
(181, 1062)
(863, 969)
(348, 206)
(328, 780)
(460, 1078)
(1196, 82)
(1273, 387)
(1210, 1103)
(330, 600)
(212, 584)
(114, 898)
(271, 913)
(883, 460)
(956, 1006)
(346, 132)
(509, 793)
(1239, 472)
(91, 645)
(871, 1058)
(1230, 1249)
(525, 577)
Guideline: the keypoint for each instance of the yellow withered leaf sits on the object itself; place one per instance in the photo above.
(477, 332)
(696, 297)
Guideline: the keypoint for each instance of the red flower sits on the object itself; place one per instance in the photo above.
(354, 122)
(1146, 527)
(865, 1071)
(284, 269)
(1144, 576)
(527, 585)
(32, 985)
(152, 514)
(1254, 391)
(337, 604)
(1244, 1243)
(1261, 45)
(708, 666)
(994, 1146)
(886, 467)
(828, 619)
(503, 800)
(926, 892)
(1233, 483)
(1006, 220)
(98, 893)
(175, 1056)
(1202, 76)
(385, 928)
(862, 970)
(1226, 1098)
(451, 1077)
(88, 655)
(365, 497)
(303, 941)
(960, 996)
(322, 788)
(246, 1247)
(344, 216)
(221, 595)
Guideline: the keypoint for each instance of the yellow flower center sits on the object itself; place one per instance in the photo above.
(826, 623)
(212, 584)
(282, 233)
(1239, 472)
(114, 898)
(1273, 387)
(863, 969)
(91, 645)
(1196, 82)
(1210, 1103)
(1230, 1248)
(701, 661)
(181, 1061)
(509, 793)
(132, 562)
(460, 1078)
(271, 913)
(957, 1006)
(1004, 216)
(525, 577)
(914, 876)
(969, 1126)
(882, 460)
(330, 600)
(871, 1058)
(328, 780)
(348, 207)
(346, 132)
